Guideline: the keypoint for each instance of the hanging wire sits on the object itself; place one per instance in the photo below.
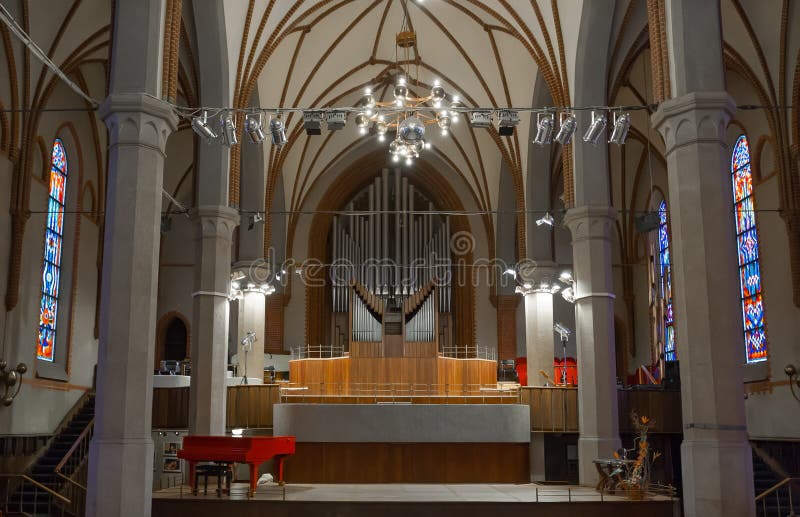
(39, 53)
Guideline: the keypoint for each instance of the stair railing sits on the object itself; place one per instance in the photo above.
(75, 462)
(769, 501)
(47, 495)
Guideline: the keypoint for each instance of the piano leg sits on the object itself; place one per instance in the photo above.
(280, 457)
(192, 483)
(253, 479)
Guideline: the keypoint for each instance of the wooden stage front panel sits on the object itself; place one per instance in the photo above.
(408, 463)
(363, 374)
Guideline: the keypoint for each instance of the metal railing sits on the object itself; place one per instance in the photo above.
(399, 392)
(42, 501)
(72, 469)
(316, 351)
(469, 352)
(778, 501)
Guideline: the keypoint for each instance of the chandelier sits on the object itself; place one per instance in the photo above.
(408, 115)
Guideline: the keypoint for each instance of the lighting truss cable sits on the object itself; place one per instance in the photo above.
(39, 53)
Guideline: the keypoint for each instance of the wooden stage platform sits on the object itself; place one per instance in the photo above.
(402, 500)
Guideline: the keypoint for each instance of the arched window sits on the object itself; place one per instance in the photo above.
(665, 275)
(755, 336)
(51, 268)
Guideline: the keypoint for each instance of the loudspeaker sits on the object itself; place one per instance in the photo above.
(672, 375)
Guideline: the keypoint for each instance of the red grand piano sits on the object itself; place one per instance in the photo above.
(253, 450)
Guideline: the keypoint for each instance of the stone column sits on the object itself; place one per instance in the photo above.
(252, 318)
(715, 454)
(207, 394)
(591, 228)
(539, 351)
(252, 309)
(121, 452)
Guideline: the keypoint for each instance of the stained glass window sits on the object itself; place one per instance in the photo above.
(755, 337)
(665, 272)
(51, 269)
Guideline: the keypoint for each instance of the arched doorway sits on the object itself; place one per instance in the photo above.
(175, 340)
(172, 338)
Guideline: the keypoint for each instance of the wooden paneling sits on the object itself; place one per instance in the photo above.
(251, 406)
(552, 409)
(326, 376)
(248, 406)
(389, 376)
(556, 409)
(420, 349)
(475, 372)
(661, 406)
(418, 396)
(366, 349)
(170, 408)
(408, 463)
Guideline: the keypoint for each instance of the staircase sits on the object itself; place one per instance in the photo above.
(32, 500)
(777, 503)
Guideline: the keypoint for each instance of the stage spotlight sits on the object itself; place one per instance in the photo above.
(228, 130)
(480, 119)
(544, 129)
(335, 120)
(278, 131)
(596, 128)
(622, 124)
(201, 126)
(508, 121)
(312, 122)
(253, 220)
(546, 219)
(252, 125)
(567, 129)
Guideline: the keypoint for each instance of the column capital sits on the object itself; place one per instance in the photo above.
(138, 119)
(590, 222)
(697, 117)
(216, 220)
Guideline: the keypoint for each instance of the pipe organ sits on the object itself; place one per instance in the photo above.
(391, 269)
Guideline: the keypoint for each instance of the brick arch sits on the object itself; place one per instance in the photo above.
(161, 330)
(350, 182)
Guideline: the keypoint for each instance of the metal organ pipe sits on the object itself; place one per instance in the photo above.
(385, 222)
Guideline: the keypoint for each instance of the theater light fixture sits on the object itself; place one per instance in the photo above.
(546, 219)
(508, 121)
(253, 220)
(335, 120)
(596, 128)
(480, 119)
(568, 126)
(312, 122)
(201, 126)
(544, 129)
(622, 124)
(252, 125)
(278, 132)
(228, 128)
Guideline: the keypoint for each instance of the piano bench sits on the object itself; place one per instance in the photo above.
(220, 470)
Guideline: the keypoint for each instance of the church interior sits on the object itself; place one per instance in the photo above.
(400, 257)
